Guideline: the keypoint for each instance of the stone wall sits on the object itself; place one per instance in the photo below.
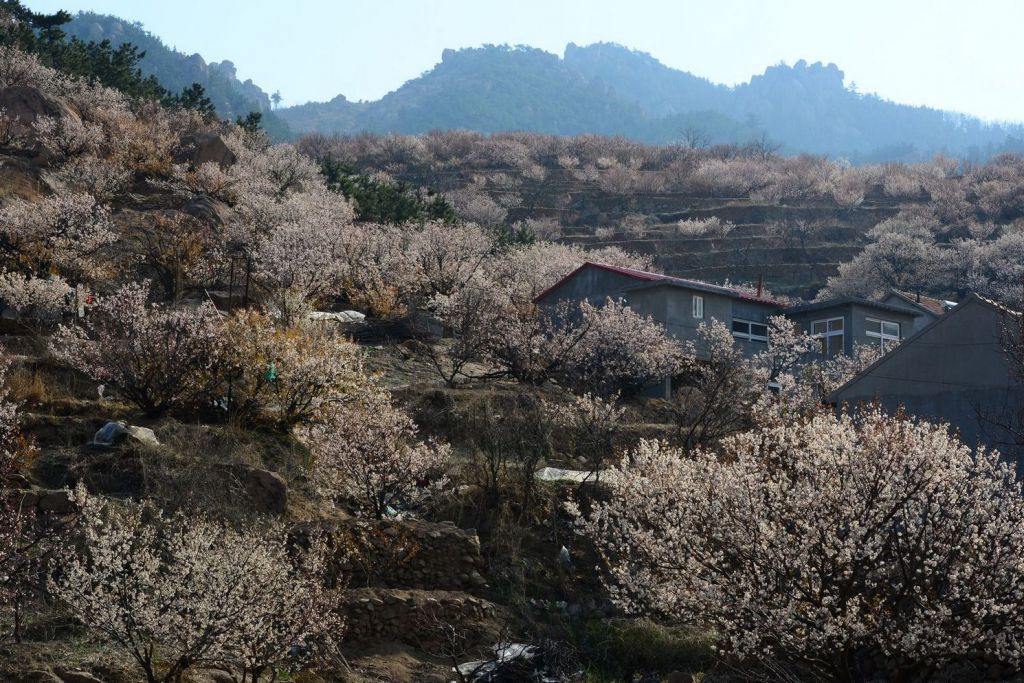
(420, 618)
(407, 554)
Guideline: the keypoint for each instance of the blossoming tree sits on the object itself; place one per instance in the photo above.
(824, 544)
(177, 592)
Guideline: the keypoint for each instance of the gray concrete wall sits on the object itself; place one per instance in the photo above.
(592, 284)
(922, 321)
(855, 321)
(955, 372)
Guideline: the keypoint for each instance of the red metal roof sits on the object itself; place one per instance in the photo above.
(645, 276)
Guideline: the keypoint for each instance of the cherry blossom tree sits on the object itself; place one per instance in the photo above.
(824, 546)
(895, 261)
(36, 296)
(591, 424)
(621, 352)
(289, 374)
(27, 539)
(367, 452)
(178, 250)
(157, 357)
(472, 314)
(718, 388)
(443, 258)
(59, 232)
(300, 264)
(177, 592)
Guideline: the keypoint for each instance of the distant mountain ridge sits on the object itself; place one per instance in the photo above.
(611, 90)
(176, 71)
(603, 89)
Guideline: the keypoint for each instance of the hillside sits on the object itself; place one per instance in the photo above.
(611, 90)
(177, 71)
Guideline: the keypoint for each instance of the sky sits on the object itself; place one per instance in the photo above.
(961, 55)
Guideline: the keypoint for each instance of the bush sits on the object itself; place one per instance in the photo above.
(826, 544)
(288, 374)
(157, 357)
(178, 592)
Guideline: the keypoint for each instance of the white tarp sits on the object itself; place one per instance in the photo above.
(577, 476)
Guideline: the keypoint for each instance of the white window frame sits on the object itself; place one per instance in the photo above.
(829, 333)
(749, 335)
(698, 306)
(881, 335)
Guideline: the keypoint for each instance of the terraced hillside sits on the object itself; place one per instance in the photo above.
(792, 264)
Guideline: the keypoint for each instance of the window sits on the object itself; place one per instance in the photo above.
(698, 306)
(749, 330)
(887, 333)
(830, 332)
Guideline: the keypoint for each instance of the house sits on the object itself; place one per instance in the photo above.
(845, 323)
(954, 370)
(679, 304)
(929, 309)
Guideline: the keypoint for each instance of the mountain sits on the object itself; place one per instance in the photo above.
(611, 90)
(177, 71)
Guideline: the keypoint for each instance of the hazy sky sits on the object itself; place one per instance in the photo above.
(963, 55)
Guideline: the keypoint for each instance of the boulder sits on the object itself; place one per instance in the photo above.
(39, 677)
(268, 490)
(56, 502)
(20, 179)
(201, 148)
(26, 104)
(208, 209)
(113, 433)
(77, 677)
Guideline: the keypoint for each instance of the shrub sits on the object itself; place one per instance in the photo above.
(157, 357)
(179, 592)
(289, 374)
(825, 543)
(367, 451)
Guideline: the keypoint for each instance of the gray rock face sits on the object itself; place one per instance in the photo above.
(268, 490)
(26, 104)
(208, 209)
(201, 148)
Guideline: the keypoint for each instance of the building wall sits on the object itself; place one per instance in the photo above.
(672, 306)
(592, 284)
(922, 321)
(955, 372)
(855, 322)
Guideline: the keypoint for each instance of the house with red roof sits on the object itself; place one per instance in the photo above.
(682, 305)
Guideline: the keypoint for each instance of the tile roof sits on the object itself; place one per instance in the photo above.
(933, 306)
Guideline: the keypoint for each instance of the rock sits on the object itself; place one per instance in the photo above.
(77, 677)
(58, 502)
(20, 179)
(268, 490)
(113, 433)
(143, 435)
(39, 677)
(208, 209)
(26, 104)
(202, 148)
